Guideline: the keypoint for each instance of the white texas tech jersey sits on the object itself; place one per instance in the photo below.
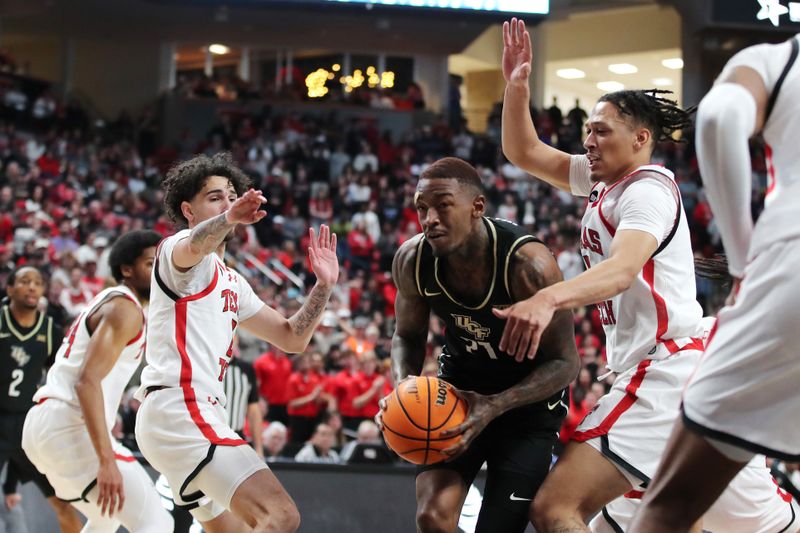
(658, 314)
(193, 317)
(779, 68)
(64, 374)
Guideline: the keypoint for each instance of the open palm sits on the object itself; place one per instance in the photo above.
(322, 253)
(517, 55)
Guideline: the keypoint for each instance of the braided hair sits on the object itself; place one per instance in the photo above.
(662, 116)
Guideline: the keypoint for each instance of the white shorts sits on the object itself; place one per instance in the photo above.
(752, 503)
(632, 423)
(745, 390)
(203, 459)
(55, 439)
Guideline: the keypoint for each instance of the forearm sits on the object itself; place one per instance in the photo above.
(725, 122)
(301, 401)
(306, 319)
(255, 423)
(206, 237)
(90, 396)
(597, 284)
(408, 356)
(544, 381)
(519, 133)
(360, 401)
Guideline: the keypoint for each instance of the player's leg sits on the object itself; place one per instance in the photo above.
(95, 523)
(691, 477)
(517, 465)
(580, 484)
(441, 489)
(237, 479)
(68, 519)
(440, 495)
(142, 511)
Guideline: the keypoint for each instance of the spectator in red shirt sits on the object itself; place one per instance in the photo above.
(304, 392)
(273, 369)
(91, 280)
(361, 246)
(345, 389)
(370, 387)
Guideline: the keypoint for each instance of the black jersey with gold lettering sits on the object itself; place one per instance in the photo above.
(23, 353)
(471, 358)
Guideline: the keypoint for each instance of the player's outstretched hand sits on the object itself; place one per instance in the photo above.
(111, 494)
(480, 411)
(412, 388)
(517, 54)
(322, 253)
(525, 323)
(247, 208)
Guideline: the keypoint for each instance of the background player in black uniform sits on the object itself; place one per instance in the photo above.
(468, 269)
(28, 339)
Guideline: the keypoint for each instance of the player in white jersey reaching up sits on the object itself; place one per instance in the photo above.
(743, 397)
(196, 306)
(640, 272)
(67, 435)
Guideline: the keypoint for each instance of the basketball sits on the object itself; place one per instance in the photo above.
(414, 419)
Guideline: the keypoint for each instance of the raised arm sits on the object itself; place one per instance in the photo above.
(412, 315)
(728, 116)
(207, 236)
(113, 324)
(293, 334)
(521, 144)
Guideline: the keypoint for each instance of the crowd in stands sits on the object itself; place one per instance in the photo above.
(68, 189)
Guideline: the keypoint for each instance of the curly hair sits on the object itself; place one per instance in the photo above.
(662, 116)
(128, 248)
(187, 178)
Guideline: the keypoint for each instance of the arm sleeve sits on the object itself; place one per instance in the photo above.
(648, 205)
(579, 181)
(726, 118)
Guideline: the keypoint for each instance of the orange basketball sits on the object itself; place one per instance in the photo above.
(414, 420)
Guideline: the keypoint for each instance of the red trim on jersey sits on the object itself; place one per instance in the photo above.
(634, 494)
(126, 458)
(649, 274)
(624, 404)
(771, 181)
(189, 397)
(42, 400)
(785, 496)
(73, 330)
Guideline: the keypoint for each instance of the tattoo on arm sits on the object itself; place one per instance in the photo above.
(306, 318)
(573, 526)
(206, 237)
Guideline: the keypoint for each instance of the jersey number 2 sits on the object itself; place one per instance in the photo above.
(17, 376)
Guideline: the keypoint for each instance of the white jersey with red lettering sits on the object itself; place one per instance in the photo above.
(658, 314)
(64, 374)
(193, 319)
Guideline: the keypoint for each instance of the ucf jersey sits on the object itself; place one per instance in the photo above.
(23, 353)
(471, 359)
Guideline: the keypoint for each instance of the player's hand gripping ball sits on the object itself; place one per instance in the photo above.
(416, 414)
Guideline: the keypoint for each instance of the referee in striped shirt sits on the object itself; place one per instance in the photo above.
(241, 390)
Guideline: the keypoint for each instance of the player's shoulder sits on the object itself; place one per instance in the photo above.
(534, 267)
(405, 259)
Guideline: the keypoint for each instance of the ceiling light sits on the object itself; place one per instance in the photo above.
(218, 49)
(675, 63)
(570, 73)
(610, 86)
(661, 82)
(623, 68)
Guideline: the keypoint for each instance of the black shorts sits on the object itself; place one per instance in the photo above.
(11, 452)
(518, 455)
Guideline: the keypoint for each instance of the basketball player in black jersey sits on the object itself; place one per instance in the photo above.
(28, 339)
(468, 270)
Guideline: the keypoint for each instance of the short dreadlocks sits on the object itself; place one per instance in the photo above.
(662, 116)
